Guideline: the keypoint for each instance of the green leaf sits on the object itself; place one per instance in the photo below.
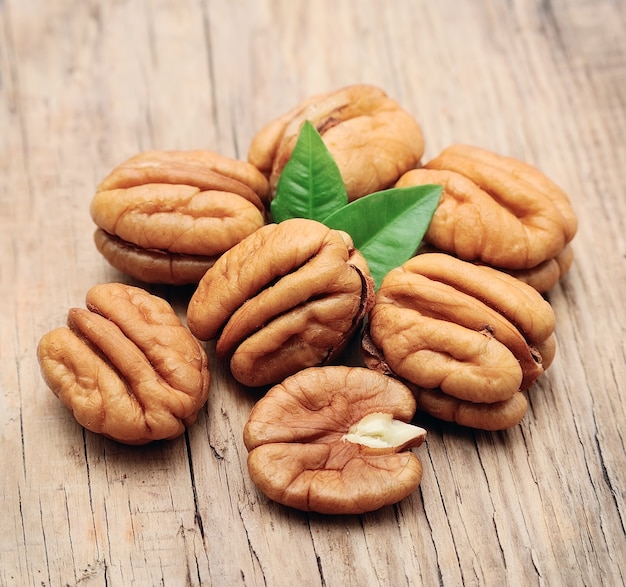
(387, 227)
(310, 185)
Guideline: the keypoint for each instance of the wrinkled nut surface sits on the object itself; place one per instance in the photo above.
(495, 209)
(126, 366)
(542, 277)
(287, 297)
(466, 337)
(372, 139)
(546, 275)
(166, 216)
(335, 440)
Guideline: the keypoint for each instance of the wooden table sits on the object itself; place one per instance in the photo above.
(84, 85)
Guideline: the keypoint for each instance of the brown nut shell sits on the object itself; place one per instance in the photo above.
(126, 366)
(165, 216)
(471, 332)
(300, 455)
(287, 297)
(372, 139)
(495, 209)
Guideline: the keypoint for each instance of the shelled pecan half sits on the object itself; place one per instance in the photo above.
(372, 139)
(288, 296)
(497, 211)
(126, 366)
(166, 216)
(466, 338)
(335, 440)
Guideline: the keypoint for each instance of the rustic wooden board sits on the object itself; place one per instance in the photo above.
(84, 85)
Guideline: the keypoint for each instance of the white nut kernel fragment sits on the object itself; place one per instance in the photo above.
(380, 430)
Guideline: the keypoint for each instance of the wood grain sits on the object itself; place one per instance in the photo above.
(84, 85)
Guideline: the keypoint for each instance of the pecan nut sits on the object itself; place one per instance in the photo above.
(467, 338)
(494, 209)
(289, 296)
(126, 366)
(335, 440)
(372, 139)
(165, 216)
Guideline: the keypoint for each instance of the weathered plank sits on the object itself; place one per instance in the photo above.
(85, 85)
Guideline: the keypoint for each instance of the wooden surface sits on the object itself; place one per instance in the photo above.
(84, 85)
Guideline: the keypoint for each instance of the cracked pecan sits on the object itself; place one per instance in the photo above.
(335, 440)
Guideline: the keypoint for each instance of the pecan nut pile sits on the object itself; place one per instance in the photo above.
(165, 216)
(287, 297)
(468, 339)
(126, 366)
(335, 440)
(372, 139)
(498, 211)
(460, 331)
